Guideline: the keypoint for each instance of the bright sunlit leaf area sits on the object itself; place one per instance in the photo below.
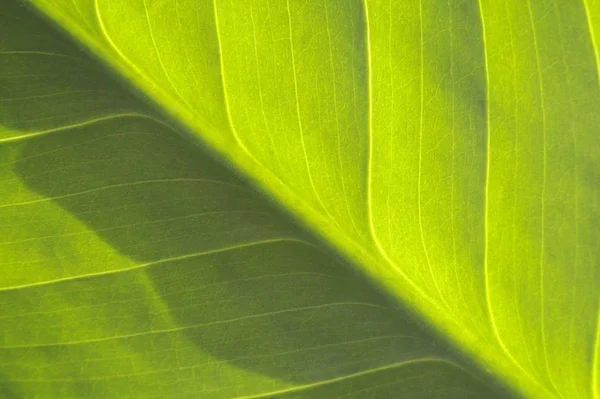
(300, 199)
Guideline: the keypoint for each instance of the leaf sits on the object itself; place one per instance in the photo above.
(449, 150)
(133, 265)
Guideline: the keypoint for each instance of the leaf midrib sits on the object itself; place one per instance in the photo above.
(270, 184)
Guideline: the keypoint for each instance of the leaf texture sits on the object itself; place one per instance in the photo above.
(133, 265)
(449, 150)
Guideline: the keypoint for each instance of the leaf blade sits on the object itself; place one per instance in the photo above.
(347, 225)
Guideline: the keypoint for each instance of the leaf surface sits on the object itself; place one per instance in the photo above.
(133, 265)
(449, 150)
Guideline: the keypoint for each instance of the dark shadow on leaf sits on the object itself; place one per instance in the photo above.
(276, 306)
(271, 305)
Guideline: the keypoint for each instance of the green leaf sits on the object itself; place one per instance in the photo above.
(133, 265)
(448, 149)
